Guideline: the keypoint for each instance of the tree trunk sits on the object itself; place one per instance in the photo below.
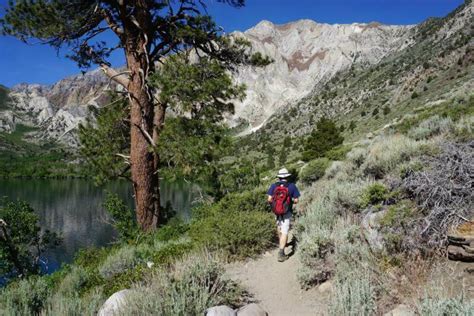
(142, 159)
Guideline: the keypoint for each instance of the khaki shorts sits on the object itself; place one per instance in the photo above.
(283, 222)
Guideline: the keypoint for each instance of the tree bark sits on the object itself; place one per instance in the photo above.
(144, 170)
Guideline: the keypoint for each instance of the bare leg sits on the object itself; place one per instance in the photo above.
(283, 240)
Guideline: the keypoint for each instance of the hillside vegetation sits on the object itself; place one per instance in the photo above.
(437, 66)
(23, 156)
(386, 208)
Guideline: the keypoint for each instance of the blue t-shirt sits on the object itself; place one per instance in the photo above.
(292, 190)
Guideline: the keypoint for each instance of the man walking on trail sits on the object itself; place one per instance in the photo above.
(281, 196)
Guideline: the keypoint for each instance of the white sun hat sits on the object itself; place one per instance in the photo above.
(283, 173)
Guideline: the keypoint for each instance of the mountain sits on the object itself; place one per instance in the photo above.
(318, 69)
(58, 109)
(436, 66)
(304, 53)
(307, 53)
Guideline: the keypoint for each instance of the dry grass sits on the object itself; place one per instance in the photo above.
(465, 229)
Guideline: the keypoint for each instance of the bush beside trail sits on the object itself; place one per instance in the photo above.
(392, 200)
(238, 226)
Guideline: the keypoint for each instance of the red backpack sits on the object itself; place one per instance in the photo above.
(281, 199)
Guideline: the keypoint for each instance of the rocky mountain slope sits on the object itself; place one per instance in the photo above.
(305, 53)
(57, 109)
(319, 69)
(437, 65)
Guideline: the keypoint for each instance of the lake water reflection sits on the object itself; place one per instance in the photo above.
(73, 208)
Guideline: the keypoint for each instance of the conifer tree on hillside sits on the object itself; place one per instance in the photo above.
(325, 137)
(147, 32)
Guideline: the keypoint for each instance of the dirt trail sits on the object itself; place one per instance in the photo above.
(275, 285)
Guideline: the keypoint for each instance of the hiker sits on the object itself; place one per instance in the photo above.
(281, 196)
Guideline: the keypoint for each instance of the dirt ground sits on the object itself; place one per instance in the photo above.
(275, 285)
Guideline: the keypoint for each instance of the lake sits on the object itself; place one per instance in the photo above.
(73, 208)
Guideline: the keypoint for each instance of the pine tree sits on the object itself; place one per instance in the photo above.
(325, 137)
(147, 32)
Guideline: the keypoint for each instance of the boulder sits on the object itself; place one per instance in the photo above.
(401, 310)
(220, 310)
(251, 310)
(371, 226)
(326, 287)
(115, 303)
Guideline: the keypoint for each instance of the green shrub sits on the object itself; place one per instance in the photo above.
(319, 215)
(313, 249)
(414, 95)
(253, 200)
(73, 281)
(24, 297)
(357, 156)
(338, 153)
(171, 251)
(118, 262)
(354, 296)
(335, 169)
(464, 128)
(193, 286)
(314, 170)
(123, 218)
(74, 305)
(432, 126)
(397, 214)
(406, 168)
(237, 177)
(173, 230)
(388, 152)
(124, 280)
(239, 202)
(239, 234)
(120, 270)
(458, 306)
(313, 232)
(91, 257)
(23, 241)
(355, 293)
(449, 109)
(373, 194)
(346, 195)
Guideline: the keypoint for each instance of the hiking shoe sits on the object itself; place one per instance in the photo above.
(281, 256)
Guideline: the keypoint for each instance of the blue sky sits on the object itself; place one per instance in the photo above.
(41, 64)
